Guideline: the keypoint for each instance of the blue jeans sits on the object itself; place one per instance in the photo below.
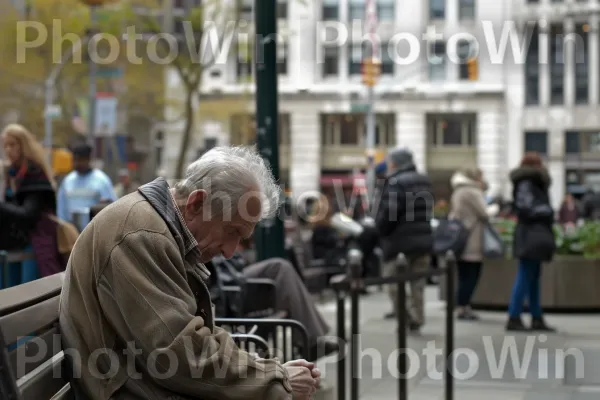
(527, 284)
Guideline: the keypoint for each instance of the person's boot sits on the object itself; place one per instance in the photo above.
(538, 324)
(515, 324)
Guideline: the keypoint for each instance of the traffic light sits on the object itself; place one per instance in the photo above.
(472, 69)
(371, 69)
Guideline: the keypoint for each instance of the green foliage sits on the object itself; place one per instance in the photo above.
(582, 241)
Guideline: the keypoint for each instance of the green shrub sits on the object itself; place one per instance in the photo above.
(583, 241)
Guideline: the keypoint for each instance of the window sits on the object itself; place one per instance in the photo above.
(532, 70)
(536, 141)
(331, 61)
(582, 142)
(437, 61)
(356, 10)
(282, 9)
(244, 62)
(349, 129)
(451, 130)
(557, 65)
(356, 57)
(581, 62)
(572, 145)
(593, 140)
(385, 10)
(282, 62)
(331, 10)
(387, 62)
(463, 51)
(466, 10)
(437, 9)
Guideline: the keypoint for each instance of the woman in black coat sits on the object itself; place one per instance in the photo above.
(533, 240)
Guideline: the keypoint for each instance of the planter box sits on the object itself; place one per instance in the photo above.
(568, 282)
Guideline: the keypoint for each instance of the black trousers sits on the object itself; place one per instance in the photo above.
(468, 276)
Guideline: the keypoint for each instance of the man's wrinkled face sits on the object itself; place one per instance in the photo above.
(220, 234)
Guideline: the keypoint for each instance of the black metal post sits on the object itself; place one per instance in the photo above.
(270, 234)
(341, 332)
(450, 303)
(355, 271)
(401, 267)
(4, 268)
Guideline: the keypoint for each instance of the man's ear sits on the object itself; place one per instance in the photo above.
(196, 202)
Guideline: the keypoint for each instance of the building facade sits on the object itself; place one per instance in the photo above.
(559, 117)
(428, 102)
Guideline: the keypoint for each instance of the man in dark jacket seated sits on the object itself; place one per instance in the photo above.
(292, 297)
(404, 224)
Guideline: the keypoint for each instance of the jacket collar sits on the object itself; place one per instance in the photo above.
(158, 194)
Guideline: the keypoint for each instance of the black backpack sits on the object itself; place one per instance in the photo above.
(450, 235)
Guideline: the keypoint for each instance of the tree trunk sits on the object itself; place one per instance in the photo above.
(187, 133)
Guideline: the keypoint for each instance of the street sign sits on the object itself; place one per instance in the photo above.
(53, 111)
(359, 107)
(106, 115)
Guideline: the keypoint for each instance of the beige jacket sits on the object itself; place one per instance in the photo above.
(127, 284)
(468, 206)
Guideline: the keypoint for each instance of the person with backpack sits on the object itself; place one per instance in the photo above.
(534, 241)
(403, 222)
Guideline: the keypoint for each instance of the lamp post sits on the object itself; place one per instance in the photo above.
(371, 72)
(270, 234)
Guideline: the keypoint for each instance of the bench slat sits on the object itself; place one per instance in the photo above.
(41, 384)
(64, 394)
(22, 296)
(29, 320)
(44, 342)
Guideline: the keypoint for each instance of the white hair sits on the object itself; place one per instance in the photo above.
(228, 175)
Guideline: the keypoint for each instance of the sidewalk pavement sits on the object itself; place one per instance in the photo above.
(560, 366)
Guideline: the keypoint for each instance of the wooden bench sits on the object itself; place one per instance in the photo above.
(32, 364)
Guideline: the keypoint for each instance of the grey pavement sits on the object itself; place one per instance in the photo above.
(490, 364)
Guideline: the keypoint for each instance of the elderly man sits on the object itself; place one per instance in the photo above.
(403, 221)
(135, 313)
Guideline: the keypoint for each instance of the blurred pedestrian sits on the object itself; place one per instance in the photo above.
(468, 206)
(125, 185)
(534, 240)
(83, 188)
(403, 222)
(26, 210)
(568, 213)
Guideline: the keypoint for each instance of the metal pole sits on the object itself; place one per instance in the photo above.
(93, 72)
(371, 146)
(450, 299)
(48, 134)
(401, 267)
(341, 332)
(355, 274)
(270, 234)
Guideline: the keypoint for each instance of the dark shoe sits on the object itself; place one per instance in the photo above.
(538, 324)
(390, 315)
(516, 325)
(467, 316)
(321, 349)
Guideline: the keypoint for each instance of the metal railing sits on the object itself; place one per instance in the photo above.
(352, 284)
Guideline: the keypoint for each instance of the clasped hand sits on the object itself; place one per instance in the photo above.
(305, 378)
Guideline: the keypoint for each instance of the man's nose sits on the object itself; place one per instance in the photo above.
(229, 248)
